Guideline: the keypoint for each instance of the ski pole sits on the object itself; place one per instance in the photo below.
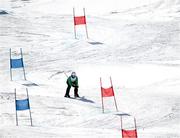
(65, 74)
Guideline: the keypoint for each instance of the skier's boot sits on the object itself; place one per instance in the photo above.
(76, 95)
(67, 92)
(67, 96)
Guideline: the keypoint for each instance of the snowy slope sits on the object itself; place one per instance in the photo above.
(135, 42)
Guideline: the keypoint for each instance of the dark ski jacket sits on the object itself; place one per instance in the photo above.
(72, 83)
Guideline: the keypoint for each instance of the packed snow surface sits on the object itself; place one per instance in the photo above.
(136, 42)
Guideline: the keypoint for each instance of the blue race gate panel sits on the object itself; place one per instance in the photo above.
(17, 63)
(22, 104)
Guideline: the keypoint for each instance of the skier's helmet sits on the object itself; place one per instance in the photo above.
(73, 74)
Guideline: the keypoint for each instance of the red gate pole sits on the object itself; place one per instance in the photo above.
(121, 127)
(114, 95)
(85, 23)
(102, 96)
(135, 126)
(74, 23)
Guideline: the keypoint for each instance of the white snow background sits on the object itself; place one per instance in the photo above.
(136, 42)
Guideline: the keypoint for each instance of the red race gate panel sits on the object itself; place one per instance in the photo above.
(129, 133)
(79, 20)
(107, 92)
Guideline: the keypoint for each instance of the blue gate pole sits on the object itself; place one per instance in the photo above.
(10, 64)
(29, 106)
(16, 108)
(23, 64)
